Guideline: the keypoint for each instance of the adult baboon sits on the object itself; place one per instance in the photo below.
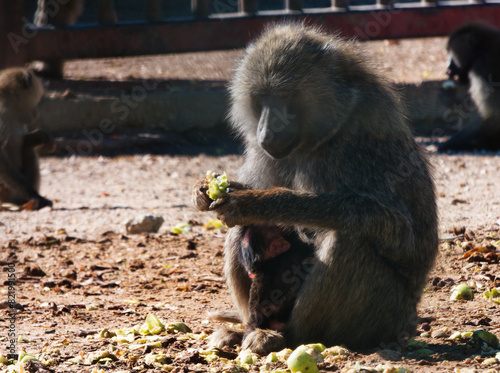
(20, 93)
(328, 153)
(474, 55)
(56, 13)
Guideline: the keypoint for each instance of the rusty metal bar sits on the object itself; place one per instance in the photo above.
(385, 3)
(200, 8)
(248, 6)
(340, 3)
(232, 31)
(293, 5)
(153, 10)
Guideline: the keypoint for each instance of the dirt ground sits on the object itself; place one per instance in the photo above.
(77, 272)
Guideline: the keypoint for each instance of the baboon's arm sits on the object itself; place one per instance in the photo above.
(364, 213)
(37, 138)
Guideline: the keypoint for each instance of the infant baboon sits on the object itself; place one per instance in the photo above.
(474, 55)
(328, 153)
(272, 256)
(55, 13)
(20, 93)
(277, 262)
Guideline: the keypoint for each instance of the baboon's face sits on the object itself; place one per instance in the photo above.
(21, 91)
(290, 91)
(461, 50)
(278, 127)
(453, 70)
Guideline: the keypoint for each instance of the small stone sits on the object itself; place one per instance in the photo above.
(144, 224)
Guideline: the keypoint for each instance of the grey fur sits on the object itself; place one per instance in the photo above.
(354, 183)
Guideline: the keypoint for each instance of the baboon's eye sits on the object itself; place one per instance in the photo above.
(257, 103)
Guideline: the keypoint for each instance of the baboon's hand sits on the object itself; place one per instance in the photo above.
(231, 208)
(199, 195)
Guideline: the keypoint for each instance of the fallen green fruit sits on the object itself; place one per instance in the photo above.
(246, 357)
(153, 325)
(301, 361)
(490, 338)
(493, 294)
(319, 347)
(178, 327)
(462, 291)
(182, 228)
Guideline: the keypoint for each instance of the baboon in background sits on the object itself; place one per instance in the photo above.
(269, 255)
(329, 154)
(56, 13)
(20, 93)
(474, 55)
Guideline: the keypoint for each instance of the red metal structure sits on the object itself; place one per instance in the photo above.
(22, 42)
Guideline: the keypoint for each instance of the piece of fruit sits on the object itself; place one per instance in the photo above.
(246, 357)
(462, 291)
(487, 337)
(301, 361)
(217, 185)
(176, 327)
(152, 325)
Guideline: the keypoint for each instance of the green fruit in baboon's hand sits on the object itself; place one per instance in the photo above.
(217, 185)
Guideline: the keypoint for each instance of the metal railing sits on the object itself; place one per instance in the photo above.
(23, 42)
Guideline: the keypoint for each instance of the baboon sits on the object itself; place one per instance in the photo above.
(270, 256)
(56, 13)
(474, 56)
(20, 93)
(329, 154)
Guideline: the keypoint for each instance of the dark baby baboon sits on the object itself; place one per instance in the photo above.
(474, 56)
(277, 262)
(20, 93)
(329, 154)
(56, 13)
